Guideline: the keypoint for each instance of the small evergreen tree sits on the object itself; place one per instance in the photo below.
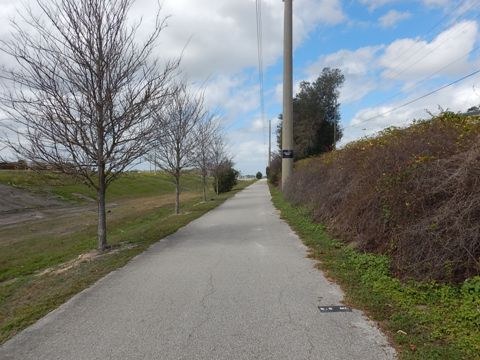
(316, 115)
(225, 178)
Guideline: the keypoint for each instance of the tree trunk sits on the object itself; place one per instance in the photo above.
(204, 179)
(217, 185)
(102, 219)
(177, 194)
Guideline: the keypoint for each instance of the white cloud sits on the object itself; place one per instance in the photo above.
(371, 120)
(393, 17)
(258, 125)
(372, 68)
(7, 11)
(361, 66)
(357, 66)
(251, 154)
(232, 94)
(309, 13)
(221, 35)
(437, 3)
(249, 144)
(221, 38)
(407, 59)
(218, 37)
(374, 4)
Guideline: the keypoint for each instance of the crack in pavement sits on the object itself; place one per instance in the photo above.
(205, 310)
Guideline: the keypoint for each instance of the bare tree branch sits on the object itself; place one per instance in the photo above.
(175, 132)
(219, 158)
(83, 91)
(207, 131)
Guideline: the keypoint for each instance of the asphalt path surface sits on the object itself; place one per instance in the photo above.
(234, 284)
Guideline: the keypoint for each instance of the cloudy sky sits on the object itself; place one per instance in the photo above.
(390, 51)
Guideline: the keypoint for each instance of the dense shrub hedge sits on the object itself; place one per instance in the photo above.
(413, 194)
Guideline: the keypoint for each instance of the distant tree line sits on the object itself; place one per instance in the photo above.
(474, 110)
(87, 99)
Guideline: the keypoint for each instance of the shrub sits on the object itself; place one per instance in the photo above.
(226, 179)
(274, 171)
(413, 194)
(259, 175)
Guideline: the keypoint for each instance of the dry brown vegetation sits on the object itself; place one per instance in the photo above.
(413, 194)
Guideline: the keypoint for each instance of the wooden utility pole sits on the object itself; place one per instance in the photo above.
(270, 143)
(287, 125)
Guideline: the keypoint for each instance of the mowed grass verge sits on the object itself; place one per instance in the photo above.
(129, 185)
(423, 320)
(63, 233)
(36, 282)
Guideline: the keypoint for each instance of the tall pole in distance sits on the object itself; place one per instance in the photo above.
(269, 143)
(287, 124)
(334, 135)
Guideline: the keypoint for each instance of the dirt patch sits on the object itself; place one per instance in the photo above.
(14, 218)
(15, 200)
(84, 197)
(60, 269)
(16, 227)
(83, 258)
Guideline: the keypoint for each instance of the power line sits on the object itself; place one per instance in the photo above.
(427, 77)
(437, 24)
(414, 100)
(419, 57)
(423, 56)
(423, 80)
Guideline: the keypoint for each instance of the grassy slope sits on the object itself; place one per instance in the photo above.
(424, 320)
(37, 245)
(129, 185)
(25, 296)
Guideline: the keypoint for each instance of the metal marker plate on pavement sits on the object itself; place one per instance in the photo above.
(325, 309)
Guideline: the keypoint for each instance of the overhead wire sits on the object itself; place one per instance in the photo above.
(415, 100)
(258, 10)
(421, 56)
(427, 77)
(436, 72)
(409, 49)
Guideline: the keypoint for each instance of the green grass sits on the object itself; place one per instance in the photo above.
(129, 185)
(423, 320)
(26, 297)
(38, 245)
(36, 252)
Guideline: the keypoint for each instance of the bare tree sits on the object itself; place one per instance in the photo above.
(81, 95)
(3, 158)
(206, 133)
(175, 133)
(218, 159)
